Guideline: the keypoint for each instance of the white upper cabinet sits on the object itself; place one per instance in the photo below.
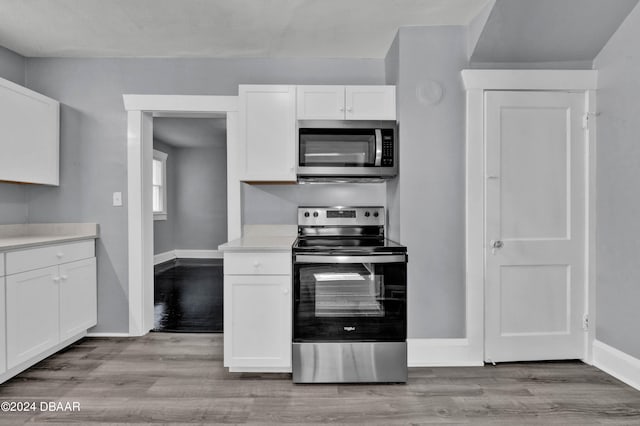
(267, 133)
(321, 103)
(29, 135)
(346, 103)
(370, 102)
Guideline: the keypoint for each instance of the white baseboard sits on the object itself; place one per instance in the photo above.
(441, 353)
(619, 364)
(186, 254)
(108, 334)
(198, 254)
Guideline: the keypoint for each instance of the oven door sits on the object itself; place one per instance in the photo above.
(350, 298)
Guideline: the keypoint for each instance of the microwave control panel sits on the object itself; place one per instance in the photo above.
(387, 148)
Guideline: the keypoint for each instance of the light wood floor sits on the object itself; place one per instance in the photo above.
(179, 378)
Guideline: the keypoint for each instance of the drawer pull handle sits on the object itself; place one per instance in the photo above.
(59, 254)
(56, 279)
(64, 277)
(285, 291)
(257, 264)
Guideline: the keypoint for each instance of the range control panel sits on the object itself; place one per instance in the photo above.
(341, 216)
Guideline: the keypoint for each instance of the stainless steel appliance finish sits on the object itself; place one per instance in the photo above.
(349, 319)
(347, 150)
(322, 219)
(349, 362)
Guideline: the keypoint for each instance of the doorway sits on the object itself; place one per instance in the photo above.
(141, 110)
(478, 84)
(189, 186)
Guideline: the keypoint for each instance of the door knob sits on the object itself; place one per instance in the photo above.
(495, 245)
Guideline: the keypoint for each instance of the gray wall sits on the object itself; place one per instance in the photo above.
(13, 197)
(201, 198)
(12, 66)
(93, 137)
(278, 204)
(554, 32)
(618, 174)
(430, 188)
(392, 74)
(196, 197)
(163, 230)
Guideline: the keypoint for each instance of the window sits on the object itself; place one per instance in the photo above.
(159, 185)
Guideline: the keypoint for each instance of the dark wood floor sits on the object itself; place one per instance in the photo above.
(179, 378)
(188, 296)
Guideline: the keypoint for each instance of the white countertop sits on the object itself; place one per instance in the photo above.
(259, 243)
(263, 238)
(35, 234)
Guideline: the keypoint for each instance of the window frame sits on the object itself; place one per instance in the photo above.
(162, 157)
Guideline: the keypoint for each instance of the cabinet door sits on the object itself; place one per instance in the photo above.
(32, 314)
(320, 103)
(267, 133)
(29, 135)
(78, 297)
(370, 102)
(257, 324)
(3, 329)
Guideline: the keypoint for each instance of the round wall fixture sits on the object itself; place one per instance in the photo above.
(429, 92)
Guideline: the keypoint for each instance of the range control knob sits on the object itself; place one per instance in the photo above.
(306, 214)
(315, 214)
(367, 214)
(375, 214)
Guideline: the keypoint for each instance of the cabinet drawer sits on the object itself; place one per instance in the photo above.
(257, 263)
(1, 264)
(41, 257)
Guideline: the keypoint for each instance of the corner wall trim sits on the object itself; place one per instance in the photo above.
(442, 353)
(619, 364)
(163, 257)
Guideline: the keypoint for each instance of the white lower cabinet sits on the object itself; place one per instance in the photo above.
(48, 307)
(32, 314)
(257, 313)
(78, 297)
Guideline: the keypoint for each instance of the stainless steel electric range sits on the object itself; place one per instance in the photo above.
(350, 298)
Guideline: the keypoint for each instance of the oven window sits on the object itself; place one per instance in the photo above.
(328, 148)
(360, 301)
(356, 292)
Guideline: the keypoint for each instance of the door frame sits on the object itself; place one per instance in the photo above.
(476, 82)
(140, 112)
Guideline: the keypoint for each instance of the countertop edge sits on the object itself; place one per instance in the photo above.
(46, 241)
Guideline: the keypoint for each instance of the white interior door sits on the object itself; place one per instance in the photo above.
(535, 226)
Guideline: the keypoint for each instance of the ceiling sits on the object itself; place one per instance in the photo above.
(219, 28)
(191, 132)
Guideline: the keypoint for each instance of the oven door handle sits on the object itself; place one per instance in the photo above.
(378, 161)
(387, 258)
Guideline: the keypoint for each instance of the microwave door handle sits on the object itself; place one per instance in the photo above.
(378, 161)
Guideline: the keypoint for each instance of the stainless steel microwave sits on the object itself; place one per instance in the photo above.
(347, 150)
